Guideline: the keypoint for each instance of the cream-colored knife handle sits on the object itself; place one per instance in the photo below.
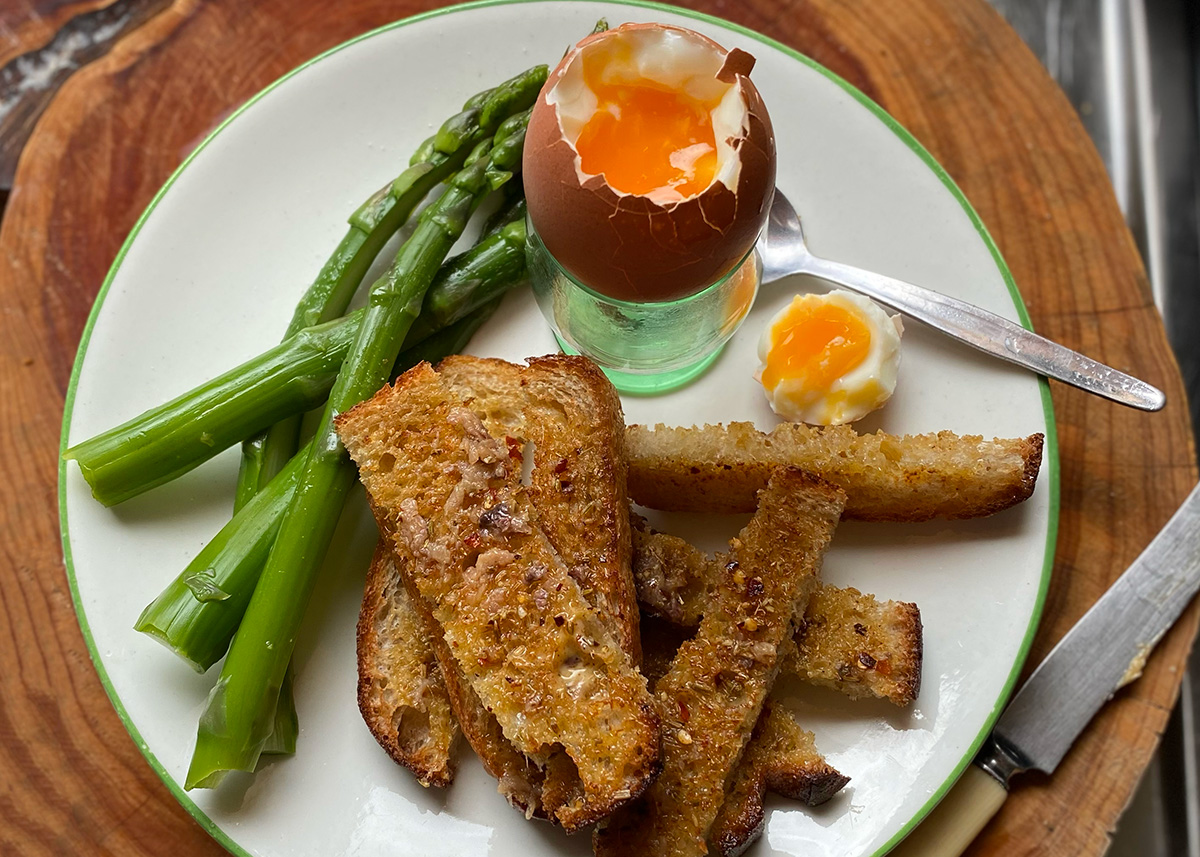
(957, 820)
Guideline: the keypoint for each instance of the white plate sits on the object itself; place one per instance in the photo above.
(210, 274)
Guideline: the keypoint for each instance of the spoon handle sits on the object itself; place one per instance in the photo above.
(990, 333)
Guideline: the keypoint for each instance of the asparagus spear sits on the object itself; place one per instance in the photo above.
(370, 228)
(474, 278)
(170, 440)
(167, 441)
(238, 717)
(286, 729)
(456, 291)
(197, 614)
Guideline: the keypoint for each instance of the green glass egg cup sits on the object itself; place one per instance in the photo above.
(643, 347)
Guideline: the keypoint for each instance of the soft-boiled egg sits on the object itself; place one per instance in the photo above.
(829, 359)
(649, 162)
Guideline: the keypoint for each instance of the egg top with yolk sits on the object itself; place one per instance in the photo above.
(644, 135)
(649, 162)
(829, 359)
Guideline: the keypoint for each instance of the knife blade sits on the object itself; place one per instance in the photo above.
(1102, 653)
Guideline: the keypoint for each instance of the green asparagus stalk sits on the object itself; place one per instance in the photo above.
(371, 226)
(238, 717)
(457, 291)
(197, 614)
(244, 542)
(168, 441)
(282, 740)
(449, 318)
(291, 378)
(474, 278)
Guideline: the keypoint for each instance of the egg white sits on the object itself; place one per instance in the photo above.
(855, 394)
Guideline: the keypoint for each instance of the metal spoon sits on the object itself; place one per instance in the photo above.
(784, 252)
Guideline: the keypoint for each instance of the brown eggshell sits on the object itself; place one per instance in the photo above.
(626, 246)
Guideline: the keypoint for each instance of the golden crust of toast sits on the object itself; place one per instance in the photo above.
(717, 684)
(401, 694)
(533, 649)
(519, 779)
(885, 477)
(569, 411)
(860, 646)
(781, 757)
(847, 640)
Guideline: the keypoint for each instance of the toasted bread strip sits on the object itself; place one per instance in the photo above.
(847, 640)
(519, 779)
(401, 694)
(713, 693)
(860, 646)
(571, 414)
(530, 645)
(885, 477)
(781, 757)
(420, 734)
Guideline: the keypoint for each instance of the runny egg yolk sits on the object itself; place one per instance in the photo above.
(829, 359)
(644, 136)
(816, 342)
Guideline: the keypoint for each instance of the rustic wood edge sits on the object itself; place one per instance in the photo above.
(823, 29)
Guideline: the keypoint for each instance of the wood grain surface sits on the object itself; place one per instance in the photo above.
(71, 780)
(42, 48)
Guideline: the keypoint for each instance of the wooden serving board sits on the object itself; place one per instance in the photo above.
(951, 71)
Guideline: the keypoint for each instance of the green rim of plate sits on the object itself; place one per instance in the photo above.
(1051, 458)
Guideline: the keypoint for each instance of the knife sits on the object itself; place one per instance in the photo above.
(1105, 651)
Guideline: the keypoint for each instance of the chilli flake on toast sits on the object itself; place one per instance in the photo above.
(847, 640)
(529, 643)
(716, 686)
(571, 414)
